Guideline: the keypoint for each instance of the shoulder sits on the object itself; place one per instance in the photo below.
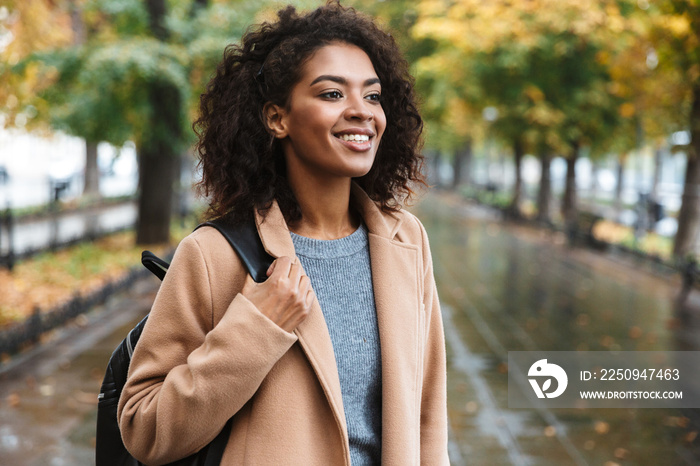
(207, 269)
(207, 247)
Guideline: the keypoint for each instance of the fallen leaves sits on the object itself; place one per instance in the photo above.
(50, 279)
(601, 427)
(13, 400)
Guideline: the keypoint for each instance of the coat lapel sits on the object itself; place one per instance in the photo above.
(395, 276)
(312, 332)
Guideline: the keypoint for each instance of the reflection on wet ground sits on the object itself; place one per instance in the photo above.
(508, 288)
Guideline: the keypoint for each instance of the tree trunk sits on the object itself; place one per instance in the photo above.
(461, 165)
(77, 24)
(689, 215)
(159, 164)
(569, 204)
(158, 153)
(156, 176)
(594, 182)
(156, 19)
(91, 182)
(92, 173)
(544, 195)
(658, 155)
(436, 163)
(518, 152)
(620, 184)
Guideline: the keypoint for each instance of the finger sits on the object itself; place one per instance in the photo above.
(304, 284)
(295, 274)
(282, 266)
(271, 268)
(310, 297)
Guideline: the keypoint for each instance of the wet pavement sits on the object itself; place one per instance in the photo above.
(48, 395)
(503, 288)
(511, 288)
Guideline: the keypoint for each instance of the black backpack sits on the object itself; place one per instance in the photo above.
(110, 450)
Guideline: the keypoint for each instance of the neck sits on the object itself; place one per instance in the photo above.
(325, 208)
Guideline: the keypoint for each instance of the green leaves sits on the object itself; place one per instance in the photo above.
(100, 93)
(124, 17)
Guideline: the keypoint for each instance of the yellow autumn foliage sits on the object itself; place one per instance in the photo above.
(478, 25)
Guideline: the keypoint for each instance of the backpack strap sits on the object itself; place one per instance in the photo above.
(155, 264)
(215, 450)
(245, 240)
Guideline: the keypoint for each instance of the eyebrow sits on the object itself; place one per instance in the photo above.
(341, 80)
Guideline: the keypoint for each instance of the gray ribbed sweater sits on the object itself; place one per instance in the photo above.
(341, 277)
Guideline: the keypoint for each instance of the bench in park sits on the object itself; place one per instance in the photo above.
(581, 230)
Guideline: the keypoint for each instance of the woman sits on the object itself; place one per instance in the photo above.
(339, 356)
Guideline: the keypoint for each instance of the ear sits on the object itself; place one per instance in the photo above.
(274, 120)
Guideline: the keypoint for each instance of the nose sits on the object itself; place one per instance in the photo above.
(358, 109)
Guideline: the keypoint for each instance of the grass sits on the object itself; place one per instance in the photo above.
(604, 230)
(49, 279)
(651, 243)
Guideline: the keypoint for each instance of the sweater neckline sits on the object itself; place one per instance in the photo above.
(330, 248)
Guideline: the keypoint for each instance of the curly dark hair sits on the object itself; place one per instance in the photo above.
(243, 166)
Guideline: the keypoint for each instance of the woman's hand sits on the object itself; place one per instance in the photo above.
(285, 297)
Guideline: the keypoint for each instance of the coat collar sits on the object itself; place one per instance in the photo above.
(276, 239)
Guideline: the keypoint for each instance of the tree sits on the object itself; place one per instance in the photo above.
(539, 62)
(27, 26)
(91, 185)
(450, 110)
(133, 79)
(675, 35)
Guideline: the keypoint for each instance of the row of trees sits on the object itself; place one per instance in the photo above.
(114, 71)
(557, 77)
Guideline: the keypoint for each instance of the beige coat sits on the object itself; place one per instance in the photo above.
(207, 354)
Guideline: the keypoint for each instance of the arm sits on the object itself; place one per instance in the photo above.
(187, 379)
(434, 394)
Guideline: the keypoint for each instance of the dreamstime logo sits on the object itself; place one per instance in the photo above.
(542, 369)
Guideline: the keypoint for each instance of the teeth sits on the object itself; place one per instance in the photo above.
(354, 137)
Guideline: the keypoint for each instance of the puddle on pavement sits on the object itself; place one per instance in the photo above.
(519, 289)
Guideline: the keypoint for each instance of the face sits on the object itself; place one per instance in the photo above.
(334, 121)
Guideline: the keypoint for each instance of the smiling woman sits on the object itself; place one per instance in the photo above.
(330, 128)
(310, 127)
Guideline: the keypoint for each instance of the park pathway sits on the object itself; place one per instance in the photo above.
(505, 288)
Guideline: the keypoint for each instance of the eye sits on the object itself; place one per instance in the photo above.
(332, 95)
(376, 97)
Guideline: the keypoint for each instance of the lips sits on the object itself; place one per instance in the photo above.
(356, 139)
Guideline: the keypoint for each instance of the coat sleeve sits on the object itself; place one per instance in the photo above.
(433, 419)
(187, 379)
